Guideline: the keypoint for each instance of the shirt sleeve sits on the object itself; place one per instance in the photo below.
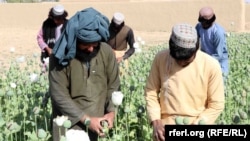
(131, 41)
(59, 91)
(152, 90)
(40, 40)
(216, 98)
(113, 81)
(219, 43)
(197, 27)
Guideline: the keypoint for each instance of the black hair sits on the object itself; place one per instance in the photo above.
(206, 23)
(180, 53)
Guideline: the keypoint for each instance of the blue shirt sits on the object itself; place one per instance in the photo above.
(213, 42)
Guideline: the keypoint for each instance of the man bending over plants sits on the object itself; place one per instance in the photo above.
(185, 85)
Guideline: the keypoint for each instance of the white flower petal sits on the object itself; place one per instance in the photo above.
(142, 42)
(20, 59)
(139, 38)
(59, 120)
(12, 49)
(117, 97)
(136, 45)
(46, 61)
(138, 50)
(13, 85)
(34, 77)
(76, 135)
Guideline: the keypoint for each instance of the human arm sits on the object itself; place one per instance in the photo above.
(113, 84)
(41, 41)
(219, 43)
(197, 27)
(59, 91)
(215, 95)
(152, 89)
(131, 40)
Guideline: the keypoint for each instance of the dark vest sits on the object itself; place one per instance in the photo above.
(49, 34)
(119, 41)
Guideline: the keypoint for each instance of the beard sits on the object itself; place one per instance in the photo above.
(84, 56)
(206, 26)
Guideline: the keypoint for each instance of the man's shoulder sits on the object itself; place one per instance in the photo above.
(207, 58)
(126, 28)
(104, 47)
(219, 25)
(218, 29)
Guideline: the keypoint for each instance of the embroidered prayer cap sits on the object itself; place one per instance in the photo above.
(184, 35)
(118, 18)
(58, 10)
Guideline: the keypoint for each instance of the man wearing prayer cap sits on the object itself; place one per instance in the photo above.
(213, 38)
(51, 30)
(83, 73)
(121, 36)
(185, 85)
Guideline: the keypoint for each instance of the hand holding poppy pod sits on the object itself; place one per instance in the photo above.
(117, 98)
(96, 124)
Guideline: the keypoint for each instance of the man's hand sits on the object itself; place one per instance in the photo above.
(95, 124)
(119, 59)
(49, 50)
(109, 117)
(158, 130)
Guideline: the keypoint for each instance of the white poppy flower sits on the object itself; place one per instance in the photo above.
(117, 97)
(33, 77)
(12, 49)
(59, 120)
(13, 85)
(76, 135)
(138, 50)
(46, 61)
(139, 38)
(20, 59)
(142, 42)
(136, 45)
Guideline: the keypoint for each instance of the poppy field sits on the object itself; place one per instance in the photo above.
(25, 106)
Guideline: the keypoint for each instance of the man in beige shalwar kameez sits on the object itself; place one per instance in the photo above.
(183, 82)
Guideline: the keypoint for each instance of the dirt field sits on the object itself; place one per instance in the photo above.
(19, 23)
(23, 37)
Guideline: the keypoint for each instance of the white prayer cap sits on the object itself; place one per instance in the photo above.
(118, 18)
(58, 10)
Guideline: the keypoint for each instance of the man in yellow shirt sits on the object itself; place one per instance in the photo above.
(183, 82)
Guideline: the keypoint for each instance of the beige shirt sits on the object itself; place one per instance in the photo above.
(195, 91)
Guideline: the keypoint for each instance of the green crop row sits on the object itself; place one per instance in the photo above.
(25, 107)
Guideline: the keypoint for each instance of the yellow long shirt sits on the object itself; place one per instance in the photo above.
(195, 91)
